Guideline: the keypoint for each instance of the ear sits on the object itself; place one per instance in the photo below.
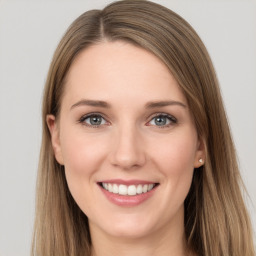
(55, 138)
(200, 153)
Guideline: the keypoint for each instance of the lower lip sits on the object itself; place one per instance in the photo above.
(121, 200)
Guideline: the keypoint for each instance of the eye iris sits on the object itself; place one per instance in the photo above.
(95, 120)
(160, 120)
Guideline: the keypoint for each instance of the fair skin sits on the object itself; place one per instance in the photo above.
(124, 119)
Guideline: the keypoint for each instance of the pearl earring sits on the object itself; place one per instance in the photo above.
(200, 160)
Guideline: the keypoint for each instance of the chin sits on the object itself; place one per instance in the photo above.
(130, 227)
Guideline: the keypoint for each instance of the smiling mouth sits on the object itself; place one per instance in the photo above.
(128, 190)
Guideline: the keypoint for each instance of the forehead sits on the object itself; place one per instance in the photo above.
(111, 69)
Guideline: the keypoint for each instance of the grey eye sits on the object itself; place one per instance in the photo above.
(95, 120)
(162, 120)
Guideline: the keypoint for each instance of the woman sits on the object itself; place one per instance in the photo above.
(137, 156)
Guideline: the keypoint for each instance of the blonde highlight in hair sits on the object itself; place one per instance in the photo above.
(216, 219)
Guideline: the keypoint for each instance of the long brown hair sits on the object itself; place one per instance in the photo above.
(216, 219)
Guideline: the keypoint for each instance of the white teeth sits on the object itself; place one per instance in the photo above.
(150, 186)
(122, 190)
(105, 185)
(145, 188)
(130, 190)
(115, 189)
(139, 189)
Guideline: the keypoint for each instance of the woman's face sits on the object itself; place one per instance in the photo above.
(127, 140)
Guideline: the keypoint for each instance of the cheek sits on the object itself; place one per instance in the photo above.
(83, 155)
(81, 152)
(174, 157)
(176, 154)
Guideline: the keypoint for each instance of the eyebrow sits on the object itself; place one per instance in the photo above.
(149, 105)
(156, 104)
(93, 103)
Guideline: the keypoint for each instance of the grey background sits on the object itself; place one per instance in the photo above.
(29, 33)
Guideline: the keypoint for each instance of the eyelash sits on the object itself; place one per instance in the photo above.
(171, 119)
(83, 118)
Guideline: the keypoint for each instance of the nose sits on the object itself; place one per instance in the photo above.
(127, 149)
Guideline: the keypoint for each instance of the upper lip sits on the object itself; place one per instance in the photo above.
(127, 182)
